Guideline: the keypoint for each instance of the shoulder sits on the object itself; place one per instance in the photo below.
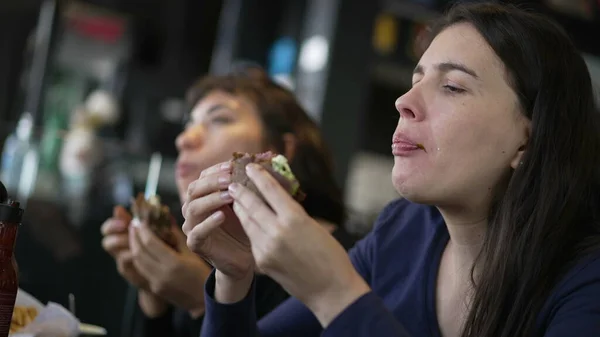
(585, 272)
(576, 294)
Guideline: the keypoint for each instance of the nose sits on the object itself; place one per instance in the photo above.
(189, 138)
(408, 105)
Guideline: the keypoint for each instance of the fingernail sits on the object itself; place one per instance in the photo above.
(233, 188)
(226, 166)
(136, 223)
(225, 195)
(217, 216)
(224, 181)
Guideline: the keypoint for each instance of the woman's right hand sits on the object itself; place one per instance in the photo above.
(115, 241)
(212, 228)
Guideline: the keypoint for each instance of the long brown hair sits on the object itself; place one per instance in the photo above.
(547, 215)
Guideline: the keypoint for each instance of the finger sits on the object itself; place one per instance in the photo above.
(127, 268)
(199, 233)
(119, 212)
(254, 207)
(221, 167)
(277, 197)
(254, 230)
(208, 184)
(115, 243)
(113, 226)
(153, 245)
(198, 209)
(142, 260)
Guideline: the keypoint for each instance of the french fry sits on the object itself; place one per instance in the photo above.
(21, 317)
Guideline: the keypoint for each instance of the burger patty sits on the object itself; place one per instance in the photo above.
(156, 216)
(238, 173)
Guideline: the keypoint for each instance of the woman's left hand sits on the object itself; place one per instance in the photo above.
(294, 250)
(174, 276)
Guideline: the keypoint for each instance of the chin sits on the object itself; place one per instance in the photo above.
(412, 188)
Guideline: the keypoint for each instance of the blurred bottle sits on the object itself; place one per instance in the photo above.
(282, 61)
(80, 154)
(10, 220)
(15, 149)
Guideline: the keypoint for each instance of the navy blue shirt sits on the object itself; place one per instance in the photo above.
(400, 259)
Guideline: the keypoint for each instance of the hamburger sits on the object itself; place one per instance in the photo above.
(276, 164)
(156, 215)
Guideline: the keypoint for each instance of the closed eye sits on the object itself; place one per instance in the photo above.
(453, 90)
(221, 120)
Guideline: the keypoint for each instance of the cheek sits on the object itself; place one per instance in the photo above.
(470, 134)
(474, 149)
(242, 140)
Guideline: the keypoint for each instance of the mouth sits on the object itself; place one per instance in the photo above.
(403, 146)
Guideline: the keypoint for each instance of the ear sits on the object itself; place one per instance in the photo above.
(289, 145)
(518, 159)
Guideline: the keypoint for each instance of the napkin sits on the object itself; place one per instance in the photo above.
(53, 320)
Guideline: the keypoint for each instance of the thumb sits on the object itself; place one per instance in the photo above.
(119, 212)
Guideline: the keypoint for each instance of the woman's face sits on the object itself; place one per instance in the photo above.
(460, 129)
(219, 125)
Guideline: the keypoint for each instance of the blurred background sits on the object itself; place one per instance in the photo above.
(90, 90)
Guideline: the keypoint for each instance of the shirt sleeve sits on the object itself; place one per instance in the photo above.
(233, 320)
(292, 318)
(367, 316)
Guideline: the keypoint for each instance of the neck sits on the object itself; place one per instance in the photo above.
(467, 231)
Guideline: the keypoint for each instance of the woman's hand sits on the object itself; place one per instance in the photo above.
(174, 276)
(115, 241)
(294, 249)
(214, 232)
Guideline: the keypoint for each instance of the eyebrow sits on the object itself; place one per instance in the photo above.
(445, 67)
(217, 107)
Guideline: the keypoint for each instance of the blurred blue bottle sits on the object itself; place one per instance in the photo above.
(282, 61)
(15, 149)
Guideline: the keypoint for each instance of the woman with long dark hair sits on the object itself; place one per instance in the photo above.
(499, 135)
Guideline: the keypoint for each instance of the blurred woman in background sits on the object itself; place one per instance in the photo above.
(244, 112)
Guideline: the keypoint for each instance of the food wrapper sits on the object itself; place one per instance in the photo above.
(52, 320)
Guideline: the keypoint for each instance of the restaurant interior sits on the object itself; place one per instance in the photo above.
(129, 62)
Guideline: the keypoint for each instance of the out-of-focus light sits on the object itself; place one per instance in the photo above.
(314, 54)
